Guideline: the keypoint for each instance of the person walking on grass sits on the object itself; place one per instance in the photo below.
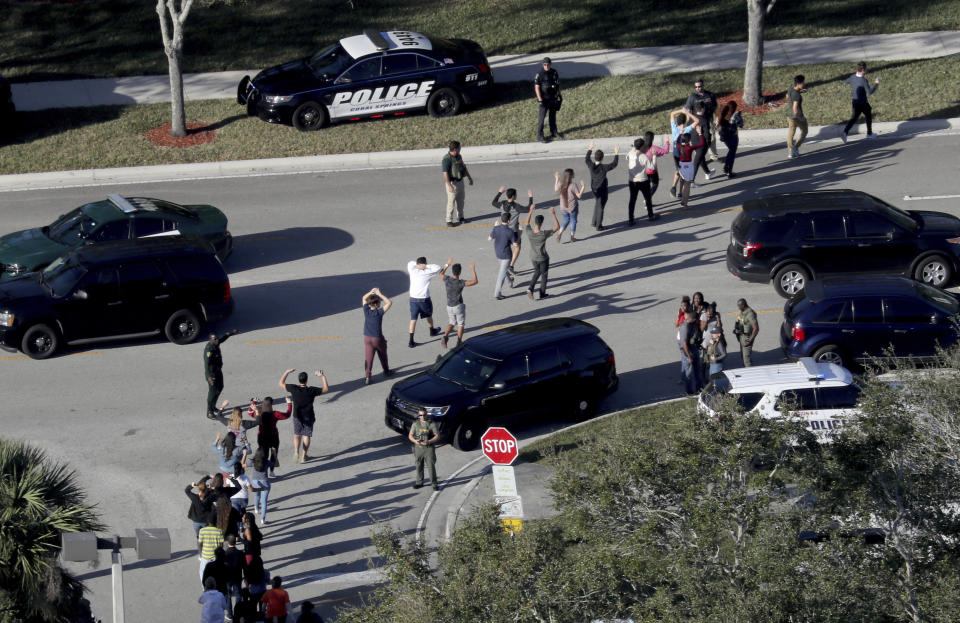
(421, 306)
(795, 117)
(546, 86)
(688, 167)
(730, 122)
(861, 88)
(375, 304)
(511, 208)
(570, 195)
(454, 171)
(680, 123)
(598, 181)
(456, 309)
(538, 250)
(302, 396)
(505, 248)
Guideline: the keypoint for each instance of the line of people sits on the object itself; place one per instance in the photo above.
(702, 342)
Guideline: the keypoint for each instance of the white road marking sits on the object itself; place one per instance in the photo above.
(927, 197)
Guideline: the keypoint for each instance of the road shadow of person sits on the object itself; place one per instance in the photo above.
(280, 246)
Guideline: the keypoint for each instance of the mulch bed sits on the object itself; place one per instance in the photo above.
(197, 134)
(772, 100)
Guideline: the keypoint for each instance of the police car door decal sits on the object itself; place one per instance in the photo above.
(373, 99)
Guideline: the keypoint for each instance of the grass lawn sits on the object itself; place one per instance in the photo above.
(98, 38)
(112, 136)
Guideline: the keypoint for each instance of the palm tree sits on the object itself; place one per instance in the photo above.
(39, 500)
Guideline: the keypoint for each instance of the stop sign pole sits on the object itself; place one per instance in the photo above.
(500, 446)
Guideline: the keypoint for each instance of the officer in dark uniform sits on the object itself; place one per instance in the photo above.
(546, 85)
(424, 436)
(213, 370)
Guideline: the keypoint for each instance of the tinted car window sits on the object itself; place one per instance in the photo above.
(364, 70)
(828, 226)
(141, 279)
(114, 230)
(833, 312)
(512, 370)
(939, 298)
(868, 225)
(426, 63)
(867, 311)
(845, 397)
(399, 64)
(544, 360)
(151, 226)
(773, 229)
(330, 61)
(799, 399)
(466, 368)
(101, 284)
(189, 269)
(901, 310)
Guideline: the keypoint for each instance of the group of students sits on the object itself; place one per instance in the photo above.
(700, 338)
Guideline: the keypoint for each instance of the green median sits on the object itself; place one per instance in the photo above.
(113, 136)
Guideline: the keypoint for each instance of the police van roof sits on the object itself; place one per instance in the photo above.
(803, 373)
(372, 41)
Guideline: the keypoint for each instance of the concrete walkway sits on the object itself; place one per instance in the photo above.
(520, 67)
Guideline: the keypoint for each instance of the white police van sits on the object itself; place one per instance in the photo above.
(823, 394)
(376, 74)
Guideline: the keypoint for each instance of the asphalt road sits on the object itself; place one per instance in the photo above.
(129, 417)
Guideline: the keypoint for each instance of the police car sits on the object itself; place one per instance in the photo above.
(376, 74)
(822, 394)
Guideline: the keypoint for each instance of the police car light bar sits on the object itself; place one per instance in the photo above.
(377, 39)
(122, 203)
(811, 368)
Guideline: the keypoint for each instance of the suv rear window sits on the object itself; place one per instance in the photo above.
(938, 298)
(718, 389)
(771, 229)
(196, 268)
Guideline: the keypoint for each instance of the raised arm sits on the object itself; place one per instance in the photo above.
(529, 214)
(387, 303)
(473, 281)
(283, 379)
(366, 296)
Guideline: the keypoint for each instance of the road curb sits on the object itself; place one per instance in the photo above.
(313, 165)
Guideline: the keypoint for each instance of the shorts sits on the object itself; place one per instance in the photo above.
(421, 308)
(302, 428)
(457, 315)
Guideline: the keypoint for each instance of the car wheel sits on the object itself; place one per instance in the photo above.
(444, 102)
(934, 270)
(39, 342)
(790, 280)
(467, 435)
(585, 407)
(828, 354)
(182, 327)
(309, 116)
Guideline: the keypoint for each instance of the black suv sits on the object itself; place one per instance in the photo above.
(128, 288)
(845, 321)
(508, 376)
(794, 237)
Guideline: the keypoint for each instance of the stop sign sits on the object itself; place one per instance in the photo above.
(499, 445)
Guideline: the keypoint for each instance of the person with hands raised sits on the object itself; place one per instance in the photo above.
(598, 180)
(538, 250)
(303, 413)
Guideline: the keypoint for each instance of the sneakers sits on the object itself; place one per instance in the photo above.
(366, 380)
(871, 135)
(542, 139)
(499, 297)
(710, 173)
(558, 135)
(388, 373)
(449, 224)
(544, 295)
(530, 294)
(796, 152)
(790, 153)
(412, 344)
(694, 185)
(434, 331)
(417, 485)
(435, 487)
(673, 191)
(843, 136)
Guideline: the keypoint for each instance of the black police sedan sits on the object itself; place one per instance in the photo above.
(376, 74)
(508, 377)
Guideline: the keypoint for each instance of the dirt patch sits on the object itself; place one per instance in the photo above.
(772, 100)
(197, 134)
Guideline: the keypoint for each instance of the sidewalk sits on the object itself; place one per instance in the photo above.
(522, 67)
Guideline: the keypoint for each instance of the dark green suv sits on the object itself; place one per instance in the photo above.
(116, 218)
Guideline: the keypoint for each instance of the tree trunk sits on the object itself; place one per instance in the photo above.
(753, 72)
(178, 121)
(173, 48)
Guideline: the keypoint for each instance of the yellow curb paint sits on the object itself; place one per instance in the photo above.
(295, 339)
(14, 357)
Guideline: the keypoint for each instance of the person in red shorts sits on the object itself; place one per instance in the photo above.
(276, 600)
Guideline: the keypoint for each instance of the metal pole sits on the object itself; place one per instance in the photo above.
(117, 573)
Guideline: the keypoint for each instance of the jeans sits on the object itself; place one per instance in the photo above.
(859, 109)
(732, 142)
(260, 498)
(700, 159)
(634, 188)
(715, 367)
(501, 276)
(691, 372)
(569, 218)
(233, 595)
(196, 527)
(792, 126)
(540, 269)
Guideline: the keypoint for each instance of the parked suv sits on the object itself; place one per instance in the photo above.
(122, 289)
(791, 238)
(508, 376)
(842, 321)
(822, 394)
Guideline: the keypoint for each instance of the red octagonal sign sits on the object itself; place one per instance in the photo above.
(499, 445)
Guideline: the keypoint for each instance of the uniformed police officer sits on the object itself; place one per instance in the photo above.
(213, 370)
(546, 85)
(746, 330)
(424, 436)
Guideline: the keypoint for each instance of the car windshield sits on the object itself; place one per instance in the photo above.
(67, 228)
(466, 368)
(329, 62)
(61, 276)
(898, 216)
(939, 298)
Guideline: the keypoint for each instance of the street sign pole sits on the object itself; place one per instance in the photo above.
(500, 446)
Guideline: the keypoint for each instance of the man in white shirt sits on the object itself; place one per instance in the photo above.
(420, 304)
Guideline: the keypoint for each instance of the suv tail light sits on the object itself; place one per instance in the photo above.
(749, 248)
(799, 334)
(484, 68)
(611, 359)
(226, 291)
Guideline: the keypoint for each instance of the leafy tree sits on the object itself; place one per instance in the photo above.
(39, 500)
